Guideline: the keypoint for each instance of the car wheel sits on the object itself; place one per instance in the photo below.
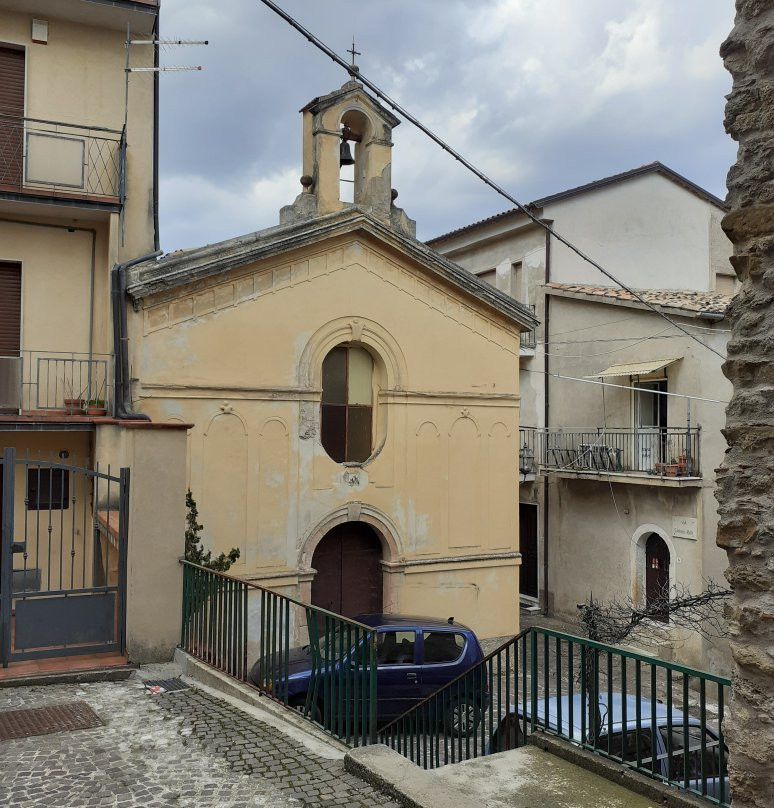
(463, 717)
(299, 705)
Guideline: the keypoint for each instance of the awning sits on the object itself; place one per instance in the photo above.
(635, 368)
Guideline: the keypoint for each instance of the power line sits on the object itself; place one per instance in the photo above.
(622, 386)
(355, 73)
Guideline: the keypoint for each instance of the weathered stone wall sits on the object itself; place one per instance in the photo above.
(746, 480)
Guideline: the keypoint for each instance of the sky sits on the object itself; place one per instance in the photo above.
(542, 95)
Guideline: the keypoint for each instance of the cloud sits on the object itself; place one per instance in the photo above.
(541, 94)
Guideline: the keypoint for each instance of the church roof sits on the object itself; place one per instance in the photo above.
(191, 265)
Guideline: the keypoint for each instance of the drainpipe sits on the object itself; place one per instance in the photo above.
(546, 388)
(156, 139)
(122, 408)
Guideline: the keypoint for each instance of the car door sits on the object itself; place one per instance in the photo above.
(398, 672)
(704, 761)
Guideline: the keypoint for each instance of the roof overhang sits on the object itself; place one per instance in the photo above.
(635, 368)
(189, 266)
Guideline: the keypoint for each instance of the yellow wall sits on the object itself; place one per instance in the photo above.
(240, 355)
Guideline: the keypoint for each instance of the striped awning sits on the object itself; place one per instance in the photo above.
(635, 368)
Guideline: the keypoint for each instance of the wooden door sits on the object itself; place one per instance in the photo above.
(528, 546)
(657, 575)
(349, 575)
(11, 115)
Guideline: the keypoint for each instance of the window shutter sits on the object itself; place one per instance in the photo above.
(10, 309)
(11, 114)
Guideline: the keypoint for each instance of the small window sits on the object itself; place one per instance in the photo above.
(443, 646)
(48, 489)
(347, 404)
(395, 648)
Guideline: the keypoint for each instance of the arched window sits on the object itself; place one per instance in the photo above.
(346, 430)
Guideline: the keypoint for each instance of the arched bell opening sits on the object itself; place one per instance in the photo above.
(355, 131)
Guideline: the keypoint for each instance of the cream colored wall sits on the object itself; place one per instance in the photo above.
(78, 78)
(56, 286)
(240, 357)
(156, 459)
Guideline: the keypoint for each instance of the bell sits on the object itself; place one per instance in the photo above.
(345, 155)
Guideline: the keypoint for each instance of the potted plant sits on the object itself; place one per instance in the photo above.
(73, 402)
(96, 406)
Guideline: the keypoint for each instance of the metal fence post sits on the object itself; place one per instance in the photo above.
(6, 554)
(372, 689)
(533, 694)
(123, 551)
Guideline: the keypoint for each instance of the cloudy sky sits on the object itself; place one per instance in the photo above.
(541, 94)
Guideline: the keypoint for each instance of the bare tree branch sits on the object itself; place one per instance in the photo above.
(674, 607)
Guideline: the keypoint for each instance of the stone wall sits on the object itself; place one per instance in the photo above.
(746, 480)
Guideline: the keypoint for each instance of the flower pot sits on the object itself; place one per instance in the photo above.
(73, 406)
(96, 410)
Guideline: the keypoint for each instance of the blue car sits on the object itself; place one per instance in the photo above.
(415, 657)
(707, 756)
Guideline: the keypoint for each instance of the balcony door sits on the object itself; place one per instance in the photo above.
(11, 116)
(650, 422)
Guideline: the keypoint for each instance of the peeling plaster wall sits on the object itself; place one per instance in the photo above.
(240, 355)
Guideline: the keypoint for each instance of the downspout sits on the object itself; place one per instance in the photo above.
(156, 140)
(122, 393)
(546, 389)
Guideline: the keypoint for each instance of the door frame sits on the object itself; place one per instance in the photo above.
(531, 600)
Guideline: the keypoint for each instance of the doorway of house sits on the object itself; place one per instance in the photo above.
(657, 575)
(349, 574)
(650, 422)
(528, 546)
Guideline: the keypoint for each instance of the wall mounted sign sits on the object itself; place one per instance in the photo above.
(684, 527)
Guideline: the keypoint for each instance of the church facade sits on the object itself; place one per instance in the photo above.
(355, 395)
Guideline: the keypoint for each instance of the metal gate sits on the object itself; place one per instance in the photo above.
(62, 559)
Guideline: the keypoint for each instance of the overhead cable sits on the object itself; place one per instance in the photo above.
(379, 93)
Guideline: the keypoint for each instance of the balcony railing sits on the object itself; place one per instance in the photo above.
(56, 381)
(50, 157)
(528, 340)
(658, 451)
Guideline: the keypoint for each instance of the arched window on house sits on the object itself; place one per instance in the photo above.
(346, 430)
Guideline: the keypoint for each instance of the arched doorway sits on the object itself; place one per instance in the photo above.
(657, 575)
(349, 575)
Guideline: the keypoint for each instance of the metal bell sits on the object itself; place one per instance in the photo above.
(345, 155)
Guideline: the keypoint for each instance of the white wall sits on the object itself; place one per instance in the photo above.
(648, 231)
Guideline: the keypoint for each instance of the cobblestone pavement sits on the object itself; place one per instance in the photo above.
(179, 749)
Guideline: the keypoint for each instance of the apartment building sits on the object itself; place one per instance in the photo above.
(621, 411)
(78, 197)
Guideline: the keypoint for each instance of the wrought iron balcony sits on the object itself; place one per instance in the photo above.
(528, 340)
(52, 158)
(654, 451)
(528, 443)
(56, 382)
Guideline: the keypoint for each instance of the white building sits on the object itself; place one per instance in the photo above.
(617, 494)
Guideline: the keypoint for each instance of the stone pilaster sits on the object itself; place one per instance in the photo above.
(746, 480)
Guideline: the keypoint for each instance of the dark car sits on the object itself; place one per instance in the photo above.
(415, 657)
(707, 756)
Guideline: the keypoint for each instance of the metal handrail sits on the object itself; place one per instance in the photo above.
(547, 680)
(340, 694)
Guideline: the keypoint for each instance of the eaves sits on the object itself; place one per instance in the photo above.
(178, 269)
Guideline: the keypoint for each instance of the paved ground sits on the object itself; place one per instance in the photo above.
(178, 749)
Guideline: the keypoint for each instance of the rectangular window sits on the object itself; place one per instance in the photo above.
(48, 489)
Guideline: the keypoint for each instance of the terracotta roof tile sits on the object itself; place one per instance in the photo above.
(687, 299)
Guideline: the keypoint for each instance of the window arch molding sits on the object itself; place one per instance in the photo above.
(355, 330)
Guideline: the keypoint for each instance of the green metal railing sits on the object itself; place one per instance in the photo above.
(230, 623)
(663, 719)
